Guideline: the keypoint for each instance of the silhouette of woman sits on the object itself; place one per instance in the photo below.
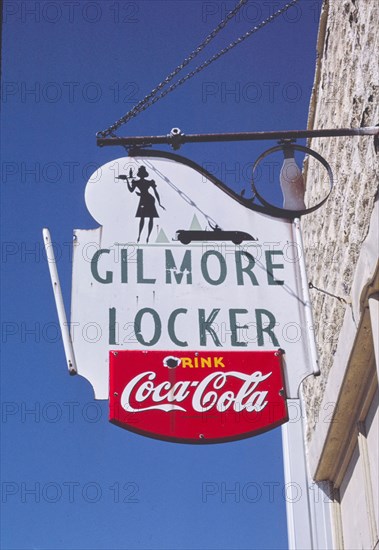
(146, 207)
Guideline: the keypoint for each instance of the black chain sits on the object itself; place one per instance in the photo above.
(144, 103)
(152, 97)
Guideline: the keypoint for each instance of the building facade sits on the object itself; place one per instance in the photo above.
(341, 251)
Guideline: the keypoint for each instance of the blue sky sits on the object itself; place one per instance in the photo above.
(70, 480)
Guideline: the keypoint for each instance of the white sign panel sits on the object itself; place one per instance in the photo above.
(138, 285)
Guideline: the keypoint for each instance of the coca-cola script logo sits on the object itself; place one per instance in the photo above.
(197, 397)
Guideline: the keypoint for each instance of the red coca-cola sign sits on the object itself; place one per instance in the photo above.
(197, 397)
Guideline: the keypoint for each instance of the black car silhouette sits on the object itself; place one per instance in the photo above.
(237, 237)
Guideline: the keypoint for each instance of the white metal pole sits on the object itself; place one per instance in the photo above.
(307, 299)
(299, 524)
(308, 512)
(67, 343)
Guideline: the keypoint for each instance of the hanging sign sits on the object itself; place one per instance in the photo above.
(197, 397)
(181, 264)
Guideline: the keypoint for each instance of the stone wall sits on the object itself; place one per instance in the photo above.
(345, 95)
